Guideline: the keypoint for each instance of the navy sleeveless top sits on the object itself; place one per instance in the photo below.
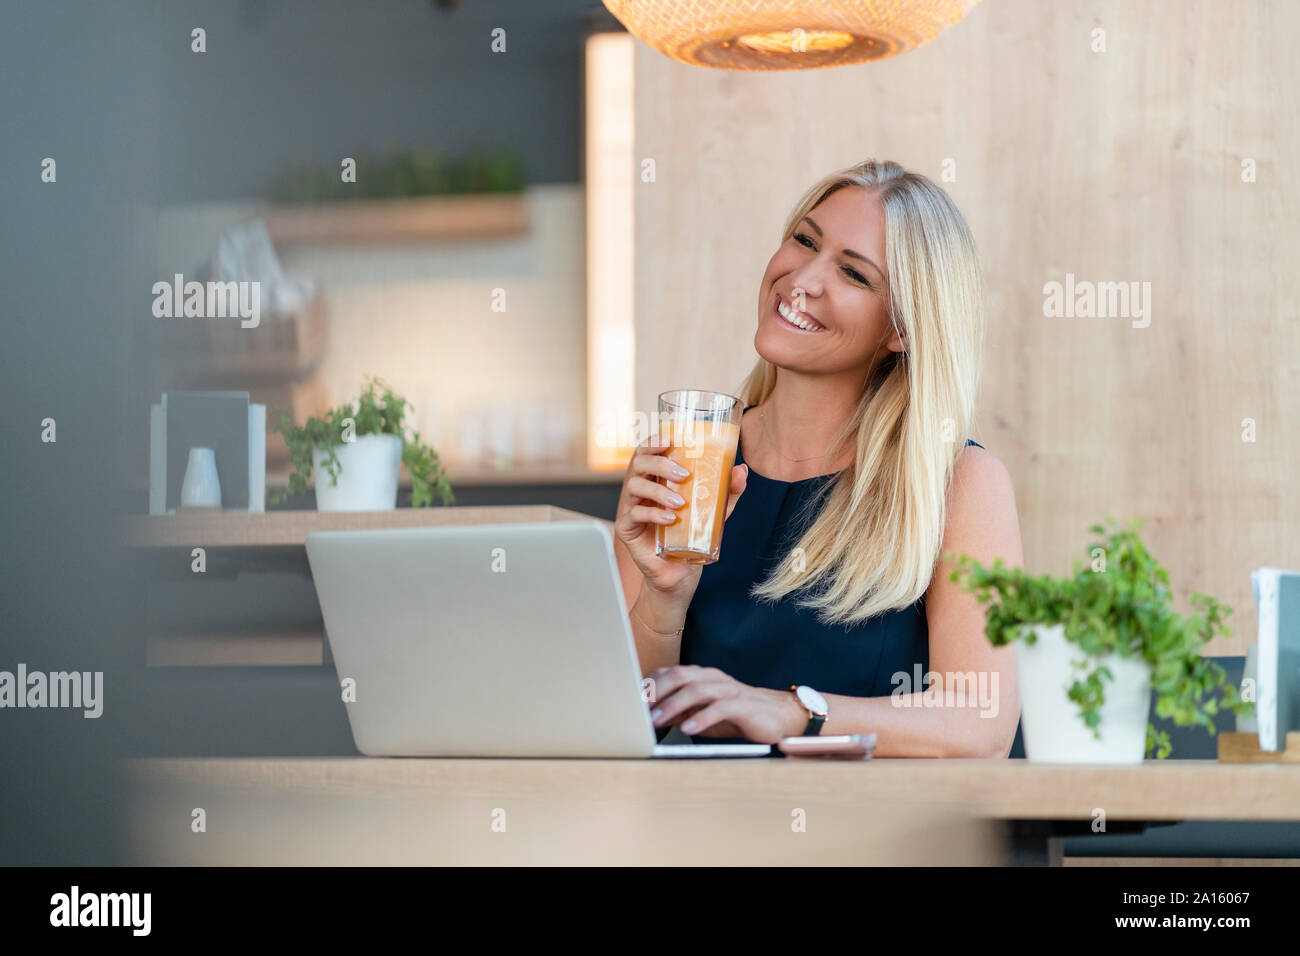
(776, 645)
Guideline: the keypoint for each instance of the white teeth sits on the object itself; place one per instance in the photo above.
(795, 319)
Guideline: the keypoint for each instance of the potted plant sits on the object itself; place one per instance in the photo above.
(402, 173)
(362, 448)
(1090, 647)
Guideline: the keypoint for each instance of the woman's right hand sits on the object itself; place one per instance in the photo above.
(646, 504)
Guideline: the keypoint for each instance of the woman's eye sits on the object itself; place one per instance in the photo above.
(805, 240)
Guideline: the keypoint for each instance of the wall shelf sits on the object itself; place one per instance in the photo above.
(290, 528)
(281, 348)
(482, 216)
(257, 552)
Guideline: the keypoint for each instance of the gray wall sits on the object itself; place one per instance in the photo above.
(286, 82)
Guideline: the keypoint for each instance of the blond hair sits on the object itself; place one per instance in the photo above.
(875, 542)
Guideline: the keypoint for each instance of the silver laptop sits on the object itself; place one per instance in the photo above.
(506, 640)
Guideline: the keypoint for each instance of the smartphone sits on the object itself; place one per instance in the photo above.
(846, 746)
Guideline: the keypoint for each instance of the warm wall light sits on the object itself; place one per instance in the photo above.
(786, 34)
(611, 177)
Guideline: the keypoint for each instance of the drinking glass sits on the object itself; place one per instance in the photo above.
(702, 429)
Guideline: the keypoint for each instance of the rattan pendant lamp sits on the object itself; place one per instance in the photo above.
(785, 34)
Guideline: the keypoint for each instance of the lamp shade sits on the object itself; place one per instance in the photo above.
(785, 34)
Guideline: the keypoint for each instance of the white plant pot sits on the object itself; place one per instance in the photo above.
(1054, 731)
(368, 478)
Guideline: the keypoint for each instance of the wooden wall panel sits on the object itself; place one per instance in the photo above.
(1122, 165)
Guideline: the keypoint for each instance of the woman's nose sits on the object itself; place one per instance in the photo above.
(810, 273)
(807, 280)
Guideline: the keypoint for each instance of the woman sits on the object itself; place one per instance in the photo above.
(854, 476)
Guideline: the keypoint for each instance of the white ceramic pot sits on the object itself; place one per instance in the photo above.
(1053, 729)
(368, 478)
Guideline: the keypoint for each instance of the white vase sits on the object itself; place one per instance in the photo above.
(368, 477)
(1053, 728)
(201, 488)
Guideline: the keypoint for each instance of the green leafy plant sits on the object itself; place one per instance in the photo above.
(376, 412)
(405, 172)
(1118, 603)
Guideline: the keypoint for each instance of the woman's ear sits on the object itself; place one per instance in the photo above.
(897, 342)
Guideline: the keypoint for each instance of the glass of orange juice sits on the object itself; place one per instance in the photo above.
(702, 430)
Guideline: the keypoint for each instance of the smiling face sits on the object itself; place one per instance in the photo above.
(823, 303)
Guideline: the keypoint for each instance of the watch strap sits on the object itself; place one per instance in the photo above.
(815, 720)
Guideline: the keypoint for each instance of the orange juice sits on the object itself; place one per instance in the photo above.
(707, 449)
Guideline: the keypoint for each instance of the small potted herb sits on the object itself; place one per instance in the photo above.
(1090, 647)
(361, 449)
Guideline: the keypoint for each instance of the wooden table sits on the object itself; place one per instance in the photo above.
(289, 529)
(371, 810)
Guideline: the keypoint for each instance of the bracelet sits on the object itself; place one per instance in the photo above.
(676, 633)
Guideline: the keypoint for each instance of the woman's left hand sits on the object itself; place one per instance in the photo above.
(706, 702)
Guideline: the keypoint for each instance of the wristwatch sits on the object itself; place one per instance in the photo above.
(816, 706)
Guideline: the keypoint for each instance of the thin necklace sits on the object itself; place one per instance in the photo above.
(763, 421)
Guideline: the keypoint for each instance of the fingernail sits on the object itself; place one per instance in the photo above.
(676, 499)
(688, 727)
(678, 471)
(656, 714)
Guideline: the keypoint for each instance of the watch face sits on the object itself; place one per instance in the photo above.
(811, 699)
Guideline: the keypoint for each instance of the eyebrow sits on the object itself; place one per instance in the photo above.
(847, 252)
